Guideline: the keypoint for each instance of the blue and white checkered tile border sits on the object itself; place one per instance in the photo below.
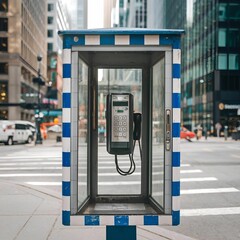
(123, 40)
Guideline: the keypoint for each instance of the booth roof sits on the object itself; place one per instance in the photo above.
(119, 31)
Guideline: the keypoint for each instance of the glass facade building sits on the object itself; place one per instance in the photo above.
(211, 67)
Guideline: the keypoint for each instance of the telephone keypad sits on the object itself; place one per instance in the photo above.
(120, 125)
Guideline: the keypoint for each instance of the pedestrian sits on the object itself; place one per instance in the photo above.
(199, 132)
(218, 127)
(225, 132)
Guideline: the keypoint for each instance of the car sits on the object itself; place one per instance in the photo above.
(186, 134)
(15, 132)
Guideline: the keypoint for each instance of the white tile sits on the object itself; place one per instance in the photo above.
(92, 40)
(65, 203)
(151, 40)
(122, 40)
(176, 85)
(176, 203)
(66, 56)
(176, 115)
(66, 85)
(176, 174)
(66, 174)
(176, 56)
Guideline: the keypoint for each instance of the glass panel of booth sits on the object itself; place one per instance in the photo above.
(111, 80)
(82, 132)
(158, 116)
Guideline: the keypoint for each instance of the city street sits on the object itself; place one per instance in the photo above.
(210, 186)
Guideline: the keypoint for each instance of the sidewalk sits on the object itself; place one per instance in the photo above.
(27, 213)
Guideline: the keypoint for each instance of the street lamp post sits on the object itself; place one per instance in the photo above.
(203, 82)
(40, 83)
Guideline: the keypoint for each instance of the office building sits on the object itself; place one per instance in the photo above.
(58, 18)
(211, 74)
(22, 38)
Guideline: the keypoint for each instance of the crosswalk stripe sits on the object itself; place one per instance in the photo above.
(202, 191)
(198, 179)
(29, 168)
(208, 190)
(210, 211)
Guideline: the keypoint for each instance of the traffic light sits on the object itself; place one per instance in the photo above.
(39, 81)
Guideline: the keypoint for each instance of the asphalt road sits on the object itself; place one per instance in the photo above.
(210, 182)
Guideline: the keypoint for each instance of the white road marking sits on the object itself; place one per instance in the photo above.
(31, 175)
(191, 171)
(210, 211)
(29, 168)
(208, 190)
(235, 156)
(207, 150)
(203, 179)
(31, 163)
(29, 157)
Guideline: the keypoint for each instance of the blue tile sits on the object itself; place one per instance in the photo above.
(176, 129)
(69, 41)
(150, 220)
(121, 233)
(92, 220)
(66, 70)
(176, 100)
(121, 221)
(66, 188)
(66, 100)
(176, 70)
(176, 159)
(66, 218)
(175, 218)
(66, 129)
(107, 39)
(175, 189)
(137, 39)
(66, 159)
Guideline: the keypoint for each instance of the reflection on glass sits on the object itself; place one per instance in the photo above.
(109, 181)
(82, 132)
(158, 132)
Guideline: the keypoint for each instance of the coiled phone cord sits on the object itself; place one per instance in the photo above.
(132, 167)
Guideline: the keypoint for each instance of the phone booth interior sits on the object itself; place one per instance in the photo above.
(106, 179)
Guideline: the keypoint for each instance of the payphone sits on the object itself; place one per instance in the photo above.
(92, 194)
(123, 128)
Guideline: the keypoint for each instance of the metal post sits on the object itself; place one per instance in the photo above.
(37, 118)
(121, 232)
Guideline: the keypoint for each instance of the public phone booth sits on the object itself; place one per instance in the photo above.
(121, 127)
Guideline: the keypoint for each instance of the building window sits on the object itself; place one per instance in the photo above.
(3, 24)
(50, 7)
(50, 33)
(234, 11)
(222, 12)
(3, 5)
(3, 114)
(222, 38)
(3, 68)
(222, 61)
(50, 47)
(3, 92)
(50, 20)
(3, 44)
(233, 37)
(233, 62)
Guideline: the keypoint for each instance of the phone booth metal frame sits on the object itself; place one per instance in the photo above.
(167, 41)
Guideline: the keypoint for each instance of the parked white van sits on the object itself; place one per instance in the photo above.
(15, 132)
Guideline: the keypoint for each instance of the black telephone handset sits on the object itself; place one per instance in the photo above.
(137, 119)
